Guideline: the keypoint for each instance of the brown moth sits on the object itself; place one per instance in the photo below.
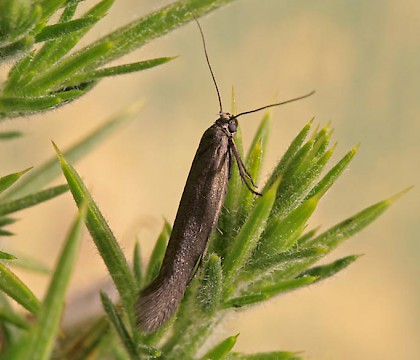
(197, 215)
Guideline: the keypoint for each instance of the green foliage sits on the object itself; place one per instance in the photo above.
(48, 76)
(38, 342)
(9, 180)
(102, 235)
(8, 207)
(268, 253)
(85, 342)
(158, 253)
(119, 326)
(138, 265)
(18, 19)
(18, 191)
(9, 135)
(220, 351)
(48, 171)
(262, 249)
(11, 285)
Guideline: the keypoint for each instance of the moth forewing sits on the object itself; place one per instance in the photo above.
(198, 212)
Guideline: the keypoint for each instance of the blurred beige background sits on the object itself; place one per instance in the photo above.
(362, 58)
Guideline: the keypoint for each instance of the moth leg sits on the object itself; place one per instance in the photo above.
(241, 164)
(248, 175)
(243, 172)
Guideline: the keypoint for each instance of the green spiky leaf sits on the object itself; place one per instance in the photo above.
(138, 265)
(48, 171)
(10, 135)
(5, 255)
(9, 180)
(103, 237)
(42, 336)
(119, 326)
(221, 350)
(324, 271)
(65, 28)
(24, 202)
(158, 253)
(17, 290)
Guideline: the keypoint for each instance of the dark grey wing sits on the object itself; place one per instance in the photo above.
(198, 212)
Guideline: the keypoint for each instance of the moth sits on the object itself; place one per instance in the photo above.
(198, 212)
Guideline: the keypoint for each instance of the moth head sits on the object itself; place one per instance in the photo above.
(228, 123)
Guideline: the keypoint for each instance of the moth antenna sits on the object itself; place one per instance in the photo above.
(208, 63)
(276, 104)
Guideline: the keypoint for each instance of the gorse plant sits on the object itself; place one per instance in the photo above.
(262, 247)
(260, 250)
(49, 77)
